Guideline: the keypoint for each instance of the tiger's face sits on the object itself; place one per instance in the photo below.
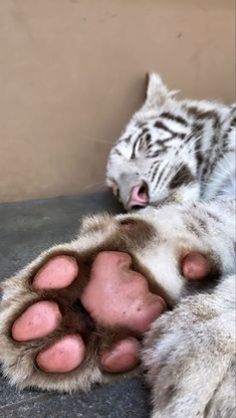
(154, 159)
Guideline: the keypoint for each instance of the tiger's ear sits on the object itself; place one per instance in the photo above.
(156, 93)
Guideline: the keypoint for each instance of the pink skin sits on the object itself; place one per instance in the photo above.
(138, 196)
(116, 295)
(195, 266)
(58, 273)
(64, 355)
(122, 357)
(37, 321)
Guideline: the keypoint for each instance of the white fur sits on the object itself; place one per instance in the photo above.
(126, 172)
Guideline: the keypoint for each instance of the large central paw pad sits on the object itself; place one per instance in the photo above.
(115, 298)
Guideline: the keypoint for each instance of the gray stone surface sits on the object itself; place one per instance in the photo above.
(27, 228)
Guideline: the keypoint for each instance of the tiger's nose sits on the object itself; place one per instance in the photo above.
(139, 196)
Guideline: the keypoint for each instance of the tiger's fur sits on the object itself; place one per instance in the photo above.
(184, 150)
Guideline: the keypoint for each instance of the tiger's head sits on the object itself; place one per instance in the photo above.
(154, 160)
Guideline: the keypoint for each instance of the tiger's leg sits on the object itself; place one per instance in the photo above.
(76, 315)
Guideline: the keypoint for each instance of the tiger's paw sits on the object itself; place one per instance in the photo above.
(76, 315)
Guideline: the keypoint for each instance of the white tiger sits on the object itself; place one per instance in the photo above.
(75, 315)
(175, 150)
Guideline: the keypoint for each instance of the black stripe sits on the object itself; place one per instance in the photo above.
(116, 151)
(126, 140)
(160, 125)
(183, 176)
(204, 161)
(175, 118)
(202, 114)
(145, 139)
(164, 146)
(134, 148)
(149, 147)
(208, 114)
(155, 154)
(233, 122)
(144, 131)
(197, 128)
(154, 173)
(198, 154)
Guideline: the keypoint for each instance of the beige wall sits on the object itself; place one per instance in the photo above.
(72, 72)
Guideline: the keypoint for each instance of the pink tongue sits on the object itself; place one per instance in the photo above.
(137, 197)
(118, 296)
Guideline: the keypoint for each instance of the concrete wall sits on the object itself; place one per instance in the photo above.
(72, 72)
